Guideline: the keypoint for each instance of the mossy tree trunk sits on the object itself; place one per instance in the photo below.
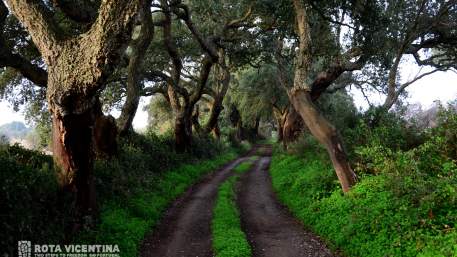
(77, 70)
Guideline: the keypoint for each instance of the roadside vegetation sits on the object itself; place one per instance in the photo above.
(404, 203)
(215, 75)
(134, 188)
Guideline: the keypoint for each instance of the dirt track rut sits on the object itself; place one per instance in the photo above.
(270, 228)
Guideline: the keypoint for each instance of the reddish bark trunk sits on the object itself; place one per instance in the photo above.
(293, 126)
(73, 148)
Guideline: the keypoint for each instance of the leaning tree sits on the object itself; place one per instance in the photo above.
(309, 33)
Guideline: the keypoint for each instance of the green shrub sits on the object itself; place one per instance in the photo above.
(377, 128)
(31, 204)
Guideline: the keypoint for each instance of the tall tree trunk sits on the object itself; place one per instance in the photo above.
(216, 131)
(280, 130)
(326, 134)
(105, 133)
(215, 111)
(256, 127)
(139, 46)
(222, 72)
(301, 100)
(280, 117)
(235, 120)
(195, 120)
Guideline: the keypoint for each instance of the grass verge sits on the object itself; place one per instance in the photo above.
(228, 238)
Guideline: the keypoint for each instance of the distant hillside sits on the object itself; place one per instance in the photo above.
(14, 130)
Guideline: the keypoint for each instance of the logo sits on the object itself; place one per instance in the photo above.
(24, 248)
(27, 249)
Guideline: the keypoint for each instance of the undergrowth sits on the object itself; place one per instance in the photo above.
(133, 190)
(408, 207)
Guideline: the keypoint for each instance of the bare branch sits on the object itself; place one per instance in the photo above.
(238, 22)
(325, 17)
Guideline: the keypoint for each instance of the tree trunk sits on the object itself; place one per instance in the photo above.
(326, 134)
(195, 121)
(105, 134)
(280, 117)
(235, 120)
(280, 130)
(139, 46)
(293, 126)
(301, 100)
(255, 129)
(215, 111)
(183, 131)
(78, 66)
(73, 151)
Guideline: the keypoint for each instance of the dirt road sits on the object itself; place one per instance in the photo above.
(185, 229)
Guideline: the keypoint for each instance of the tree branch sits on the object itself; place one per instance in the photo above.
(37, 19)
(204, 75)
(173, 53)
(326, 78)
(155, 90)
(30, 71)
(205, 44)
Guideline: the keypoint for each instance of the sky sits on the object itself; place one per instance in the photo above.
(438, 86)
